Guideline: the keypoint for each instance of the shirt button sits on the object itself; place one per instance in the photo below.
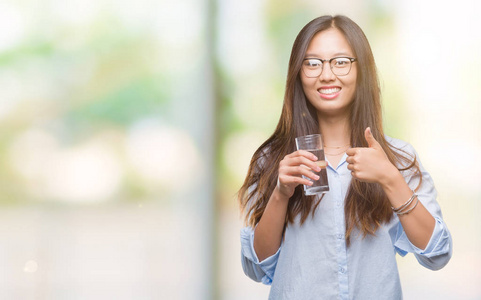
(342, 270)
(339, 236)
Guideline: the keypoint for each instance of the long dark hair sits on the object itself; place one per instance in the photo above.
(366, 204)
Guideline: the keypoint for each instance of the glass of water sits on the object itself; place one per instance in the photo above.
(313, 144)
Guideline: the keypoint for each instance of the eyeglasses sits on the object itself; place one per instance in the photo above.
(340, 66)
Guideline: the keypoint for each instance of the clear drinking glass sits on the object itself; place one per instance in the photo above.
(313, 144)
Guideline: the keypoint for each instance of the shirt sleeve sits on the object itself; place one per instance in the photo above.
(258, 271)
(438, 252)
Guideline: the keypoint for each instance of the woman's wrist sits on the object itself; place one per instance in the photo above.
(392, 179)
(278, 196)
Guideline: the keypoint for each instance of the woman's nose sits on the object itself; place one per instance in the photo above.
(326, 74)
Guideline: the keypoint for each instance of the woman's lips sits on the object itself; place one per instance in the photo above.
(329, 92)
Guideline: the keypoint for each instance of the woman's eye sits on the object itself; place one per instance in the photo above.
(342, 62)
(313, 63)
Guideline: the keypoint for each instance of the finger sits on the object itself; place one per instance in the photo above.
(300, 180)
(318, 166)
(353, 168)
(294, 180)
(359, 176)
(308, 155)
(301, 160)
(352, 151)
(371, 141)
(304, 153)
(300, 170)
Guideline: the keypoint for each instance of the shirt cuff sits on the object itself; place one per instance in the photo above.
(264, 269)
(439, 243)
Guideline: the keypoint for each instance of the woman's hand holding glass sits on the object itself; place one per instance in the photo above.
(291, 169)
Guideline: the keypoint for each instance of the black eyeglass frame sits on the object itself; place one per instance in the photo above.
(351, 59)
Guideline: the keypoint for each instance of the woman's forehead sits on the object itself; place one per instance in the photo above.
(329, 43)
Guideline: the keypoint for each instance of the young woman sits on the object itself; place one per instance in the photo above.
(381, 201)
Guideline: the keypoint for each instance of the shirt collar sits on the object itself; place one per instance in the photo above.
(340, 165)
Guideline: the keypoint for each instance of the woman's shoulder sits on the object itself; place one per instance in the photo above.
(400, 145)
(406, 154)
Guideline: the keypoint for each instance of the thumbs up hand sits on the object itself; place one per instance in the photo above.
(371, 141)
(369, 164)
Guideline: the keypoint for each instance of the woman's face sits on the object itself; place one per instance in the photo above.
(328, 93)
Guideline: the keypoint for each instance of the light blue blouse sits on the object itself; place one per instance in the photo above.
(313, 261)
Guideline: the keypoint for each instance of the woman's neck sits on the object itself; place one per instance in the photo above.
(335, 131)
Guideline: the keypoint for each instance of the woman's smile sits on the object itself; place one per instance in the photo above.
(329, 92)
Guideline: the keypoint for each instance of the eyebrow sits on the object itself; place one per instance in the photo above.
(335, 55)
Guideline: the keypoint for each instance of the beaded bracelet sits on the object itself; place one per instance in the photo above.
(405, 205)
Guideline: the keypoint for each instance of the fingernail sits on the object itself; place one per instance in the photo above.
(314, 157)
(317, 177)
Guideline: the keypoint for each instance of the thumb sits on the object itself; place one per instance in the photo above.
(371, 141)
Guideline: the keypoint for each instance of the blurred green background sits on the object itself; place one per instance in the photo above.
(126, 129)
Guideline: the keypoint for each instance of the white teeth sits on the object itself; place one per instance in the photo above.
(329, 91)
